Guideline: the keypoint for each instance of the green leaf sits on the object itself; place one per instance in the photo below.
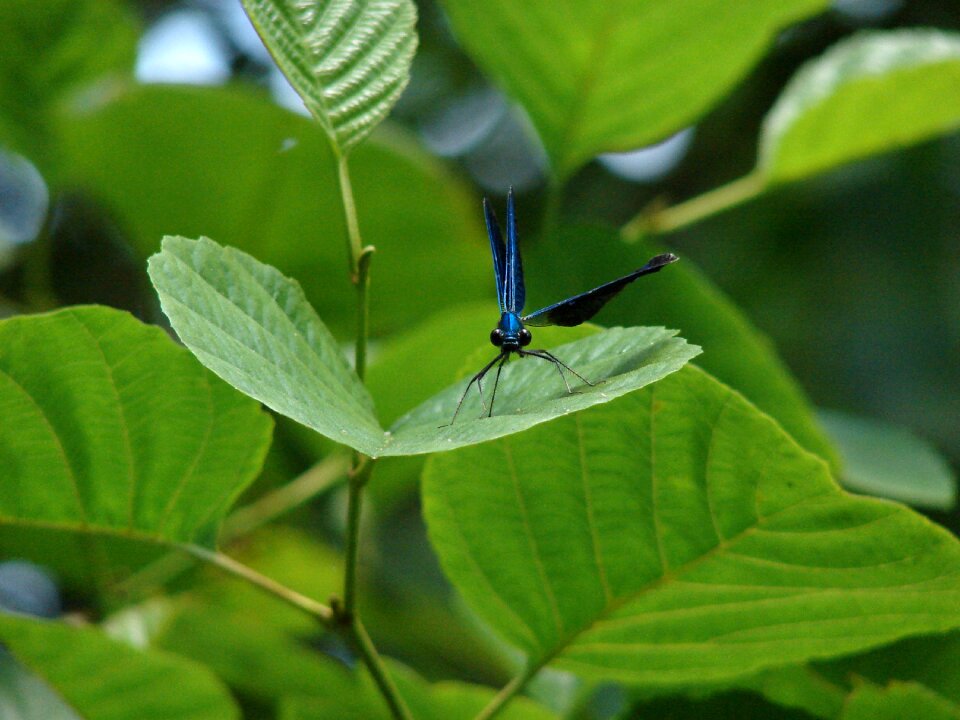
(886, 460)
(50, 50)
(898, 701)
(106, 680)
(580, 257)
(110, 427)
(348, 59)
(254, 328)
(872, 93)
(530, 392)
(230, 165)
(678, 535)
(600, 77)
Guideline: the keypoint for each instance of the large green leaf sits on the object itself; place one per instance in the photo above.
(348, 59)
(579, 257)
(872, 93)
(255, 329)
(110, 427)
(678, 535)
(106, 680)
(49, 50)
(599, 77)
(231, 165)
(886, 460)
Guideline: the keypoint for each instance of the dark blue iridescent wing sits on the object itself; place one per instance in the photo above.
(516, 293)
(499, 251)
(584, 306)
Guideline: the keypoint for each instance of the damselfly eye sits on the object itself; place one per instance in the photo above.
(496, 337)
(525, 337)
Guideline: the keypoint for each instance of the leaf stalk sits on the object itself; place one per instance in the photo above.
(659, 219)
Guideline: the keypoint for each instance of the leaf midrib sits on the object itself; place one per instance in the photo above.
(666, 578)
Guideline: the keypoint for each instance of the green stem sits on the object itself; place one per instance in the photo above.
(354, 244)
(358, 479)
(363, 311)
(507, 692)
(346, 617)
(226, 563)
(319, 478)
(665, 220)
(378, 671)
(322, 476)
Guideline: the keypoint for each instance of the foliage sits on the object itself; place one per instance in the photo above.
(670, 539)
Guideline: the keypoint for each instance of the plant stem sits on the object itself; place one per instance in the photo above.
(359, 476)
(322, 476)
(378, 671)
(354, 244)
(507, 692)
(345, 615)
(318, 610)
(665, 220)
(363, 311)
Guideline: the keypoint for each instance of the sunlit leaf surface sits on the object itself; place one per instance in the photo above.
(678, 535)
(110, 427)
(600, 77)
(872, 93)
